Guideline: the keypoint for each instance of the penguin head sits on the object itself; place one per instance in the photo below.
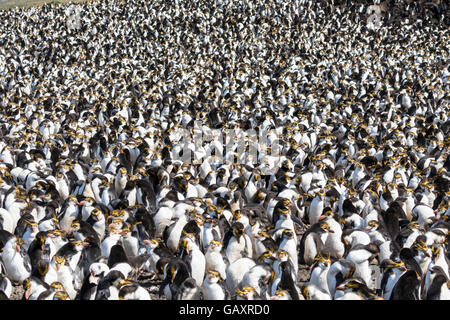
(246, 293)
(324, 226)
(356, 285)
(58, 261)
(283, 212)
(212, 276)
(281, 295)
(185, 245)
(372, 225)
(435, 251)
(322, 261)
(31, 224)
(237, 214)
(153, 243)
(74, 226)
(326, 212)
(420, 246)
(122, 172)
(97, 270)
(238, 229)
(198, 219)
(391, 264)
(96, 214)
(118, 214)
(77, 244)
(267, 257)
(61, 295)
(282, 255)
(57, 286)
(123, 282)
(260, 196)
(287, 234)
(215, 245)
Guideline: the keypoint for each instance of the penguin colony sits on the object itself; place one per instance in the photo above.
(93, 200)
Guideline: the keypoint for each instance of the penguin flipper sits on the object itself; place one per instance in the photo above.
(167, 231)
(226, 238)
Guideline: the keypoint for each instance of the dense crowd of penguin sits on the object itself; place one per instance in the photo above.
(93, 198)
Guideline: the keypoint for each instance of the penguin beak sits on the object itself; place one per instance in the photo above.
(17, 248)
(27, 293)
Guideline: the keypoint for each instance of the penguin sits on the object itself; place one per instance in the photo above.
(339, 271)
(108, 286)
(311, 243)
(288, 243)
(317, 287)
(260, 276)
(333, 243)
(194, 258)
(37, 249)
(68, 213)
(173, 232)
(133, 291)
(15, 260)
(71, 251)
(247, 293)
(285, 278)
(211, 232)
(90, 254)
(98, 222)
(407, 287)
(109, 241)
(120, 181)
(80, 230)
(213, 287)
(355, 289)
(281, 295)
(316, 207)
(215, 259)
(129, 241)
(439, 286)
(6, 288)
(237, 243)
(156, 250)
(362, 256)
(421, 253)
(189, 290)
(391, 273)
(53, 290)
(438, 258)
(33, 287)
(88, 290)
(236, 271)
(263, 242)
(29, 231)
(64, 274)
(176, 271)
